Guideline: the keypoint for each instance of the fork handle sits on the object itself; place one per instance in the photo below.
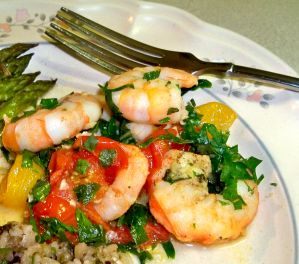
(280, 80)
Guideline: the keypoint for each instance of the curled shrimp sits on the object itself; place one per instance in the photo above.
(123, 192)
(46, 128)
(186, 208)
(151, 94)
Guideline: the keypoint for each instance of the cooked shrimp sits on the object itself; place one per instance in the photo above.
(151, 100)
(46, 128)
(123, 192)
(189, 211)
(141, 131)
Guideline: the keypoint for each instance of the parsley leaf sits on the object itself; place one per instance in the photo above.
(228, 166)
(91, 143)
(108, 96)
(86, 192)
(169, 249)
(49, 103)
(169, 137)
(151, 75)
(116, 129)
(40, 190)
(82, 166)
(107, 157)
(172, 110)
(202, 83)
(164, 120)
(54, 227)
(27, 160)
(44, 157)
(136, 218)
(89, 233)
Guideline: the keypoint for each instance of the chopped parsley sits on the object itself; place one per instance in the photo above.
(49, 103)
(82, 166)
(107, 157)
(136, 218)
(172, 110)
(169, 137)
(115, 129)
(164, 120)
(40, 190)
(169, 249)
(86, 192)
(54, 227)
(108, 96)
(228, 166)
(202, 83)
(91, 143)
(151, 75)
(27, 160)
(88, 232)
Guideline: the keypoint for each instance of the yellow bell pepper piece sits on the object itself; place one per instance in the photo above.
(14, 189)
(217, 114)
(10, 215)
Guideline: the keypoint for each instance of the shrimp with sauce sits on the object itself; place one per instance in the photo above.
(180, 201)
(148, 95)
(124, 190)
(120, 182)
(48, 127)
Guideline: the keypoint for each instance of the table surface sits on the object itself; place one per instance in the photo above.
(274, 24)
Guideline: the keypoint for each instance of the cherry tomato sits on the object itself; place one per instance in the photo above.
(57, 207)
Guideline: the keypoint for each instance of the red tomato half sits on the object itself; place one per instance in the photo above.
(56, 207)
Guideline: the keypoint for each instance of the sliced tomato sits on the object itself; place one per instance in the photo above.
(57, 207)
(120, 161)
(63, 160)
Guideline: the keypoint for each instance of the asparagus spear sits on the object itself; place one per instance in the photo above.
(12, 52)
(25, 98)
(10, 85)
(15, 67)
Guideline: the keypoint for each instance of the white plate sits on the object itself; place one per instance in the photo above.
(268, 118)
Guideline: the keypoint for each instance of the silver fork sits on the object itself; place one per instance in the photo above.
(116, 53)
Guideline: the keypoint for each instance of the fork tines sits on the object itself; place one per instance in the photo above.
(106, 48)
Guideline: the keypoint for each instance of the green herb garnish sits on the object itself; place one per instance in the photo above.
(228, 166)
(136, 218)
(40, 190)
(169, 137)
(169, 249)
(108, 96)
(164, 120)
(89, 233)
(49, 103)
(172, 110)
(27, 160)
(91, 143)
(86, 192)
(107, 157)
(82, 166)
(151, 75)
(54, 227)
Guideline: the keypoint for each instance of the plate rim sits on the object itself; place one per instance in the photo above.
(269, 54)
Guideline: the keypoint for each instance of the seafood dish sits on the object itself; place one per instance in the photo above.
(117, 176)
